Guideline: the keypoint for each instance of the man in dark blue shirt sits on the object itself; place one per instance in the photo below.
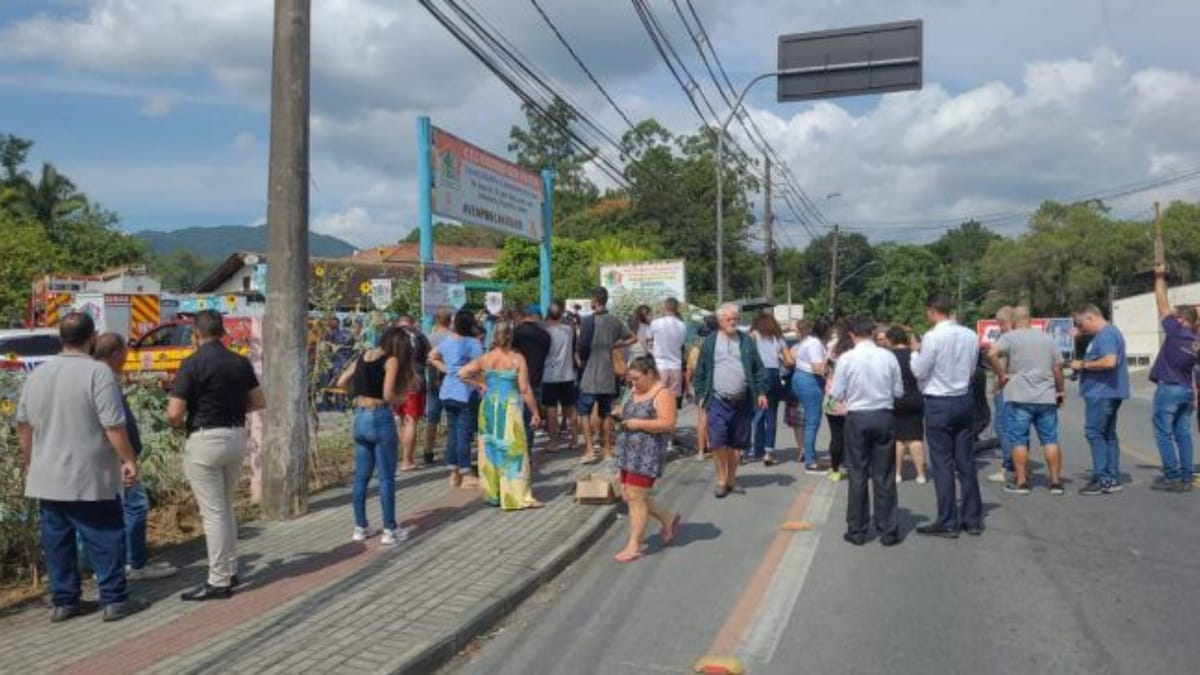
(1173, 394)
(111, 350)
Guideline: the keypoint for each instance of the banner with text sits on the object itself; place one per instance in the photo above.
(647, 281)
(476, 187)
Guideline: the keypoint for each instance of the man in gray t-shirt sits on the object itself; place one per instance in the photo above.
(1028, 366)
(77, 455)
(600, 334)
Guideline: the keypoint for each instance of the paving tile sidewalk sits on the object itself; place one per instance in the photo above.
(313, 601)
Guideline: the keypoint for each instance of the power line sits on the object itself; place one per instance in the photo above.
(587, 71)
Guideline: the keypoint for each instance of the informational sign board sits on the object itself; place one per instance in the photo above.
(1063, 332)
(647, 281)
(457, 293)
(473, 186)
(494, 302)
(436, 291)
(578, 306)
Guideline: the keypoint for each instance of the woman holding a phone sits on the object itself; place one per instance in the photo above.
(644, 426)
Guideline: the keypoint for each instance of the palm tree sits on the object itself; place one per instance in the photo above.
(50, 201)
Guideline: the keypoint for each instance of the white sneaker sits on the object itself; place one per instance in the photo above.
(899, 479)
(396, 536)
(921, 480)
(157, 570)
(1000, 476)
(364, 533)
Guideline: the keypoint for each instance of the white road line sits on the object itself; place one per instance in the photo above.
(766, 630)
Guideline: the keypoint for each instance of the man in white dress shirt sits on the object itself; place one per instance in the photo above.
(944, 363)
(868, 380)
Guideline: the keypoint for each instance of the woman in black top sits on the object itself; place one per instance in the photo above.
(380, 378)
(908, 410)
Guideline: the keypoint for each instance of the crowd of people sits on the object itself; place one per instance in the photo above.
(489, 386)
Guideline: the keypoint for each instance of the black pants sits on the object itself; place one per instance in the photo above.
(950, 435)
(837, 440)
(871, 458)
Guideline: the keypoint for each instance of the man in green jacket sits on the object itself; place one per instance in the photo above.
(729, 381)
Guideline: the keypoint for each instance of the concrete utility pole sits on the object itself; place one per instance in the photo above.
(769, 234)
(285, 451)
(1160, 249)
(833, 273)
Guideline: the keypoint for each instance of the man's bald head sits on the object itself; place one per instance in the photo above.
(1021, 317)
(111, 349)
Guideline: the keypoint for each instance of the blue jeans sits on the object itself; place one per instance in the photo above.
(1001, 421)
(102, 529)
(375, 444)
(766, 421)
(1173, 430)
(810, 390)
(1100, 427)
(527, 417)
(1043, 417)
(460, 427)
(135, 504)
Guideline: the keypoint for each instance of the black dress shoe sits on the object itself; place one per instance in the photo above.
(119, 610)
(889, 540)
(207, 592)
(973, 530)
(936, 530)
(856, 539)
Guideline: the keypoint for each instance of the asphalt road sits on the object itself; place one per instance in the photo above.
(1067, 584)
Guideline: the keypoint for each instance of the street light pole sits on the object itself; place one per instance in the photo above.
(720, 188)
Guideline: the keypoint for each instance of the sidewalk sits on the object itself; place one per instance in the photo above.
(313, 601)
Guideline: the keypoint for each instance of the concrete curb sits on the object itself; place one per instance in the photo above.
(430, 655)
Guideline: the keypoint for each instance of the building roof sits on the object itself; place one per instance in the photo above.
(357, 273)
(469, 256)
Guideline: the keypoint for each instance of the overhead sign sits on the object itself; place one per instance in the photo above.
(476, 187)
(655, 280)
(873, 59)
(437, 291)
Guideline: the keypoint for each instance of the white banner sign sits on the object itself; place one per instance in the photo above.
(457, 294)
(494, 302)
(381, 293)
(476, 187)
(655, 280)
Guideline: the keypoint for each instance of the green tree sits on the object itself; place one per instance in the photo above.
(180, 271)
(26, 252)
(546, 143)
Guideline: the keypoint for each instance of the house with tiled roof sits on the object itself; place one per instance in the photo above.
(473, 260)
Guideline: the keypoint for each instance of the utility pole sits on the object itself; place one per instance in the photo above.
(768, 231)
(958, 312)
(285, 451)
(833, 273)
(1160, 250)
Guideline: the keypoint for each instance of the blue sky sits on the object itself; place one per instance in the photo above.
(157, 108)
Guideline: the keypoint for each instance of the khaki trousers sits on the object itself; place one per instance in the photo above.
(212, 461)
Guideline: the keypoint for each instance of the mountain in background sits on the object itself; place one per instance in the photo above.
(217, 243)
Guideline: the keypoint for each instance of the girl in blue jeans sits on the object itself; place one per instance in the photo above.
(379, 378)
(460, 399)
(773, 351)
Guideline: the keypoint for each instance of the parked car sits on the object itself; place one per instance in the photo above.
(26, 348)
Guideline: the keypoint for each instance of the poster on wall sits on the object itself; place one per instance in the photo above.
(646, 281)
(473, 186)
(1063, 332)
(494, 302)
(457, 294)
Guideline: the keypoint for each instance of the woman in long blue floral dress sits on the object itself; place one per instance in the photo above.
(645, 425)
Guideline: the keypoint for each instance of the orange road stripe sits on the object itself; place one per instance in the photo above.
(756, 587)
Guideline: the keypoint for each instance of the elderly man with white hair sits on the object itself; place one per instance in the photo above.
(729, 381)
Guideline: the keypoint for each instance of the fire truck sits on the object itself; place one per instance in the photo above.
(132, 314)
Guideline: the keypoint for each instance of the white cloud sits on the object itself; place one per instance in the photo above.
(1087, 96)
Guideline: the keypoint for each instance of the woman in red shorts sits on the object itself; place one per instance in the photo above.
(644, 427)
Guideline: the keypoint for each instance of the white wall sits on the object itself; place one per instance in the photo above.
(234, 284)
(1137, 319)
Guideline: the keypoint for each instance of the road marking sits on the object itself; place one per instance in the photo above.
(765, 632)
(745, 611)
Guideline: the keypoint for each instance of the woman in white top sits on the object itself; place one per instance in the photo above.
(639, 325)
(775, 357)
(808, 382)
